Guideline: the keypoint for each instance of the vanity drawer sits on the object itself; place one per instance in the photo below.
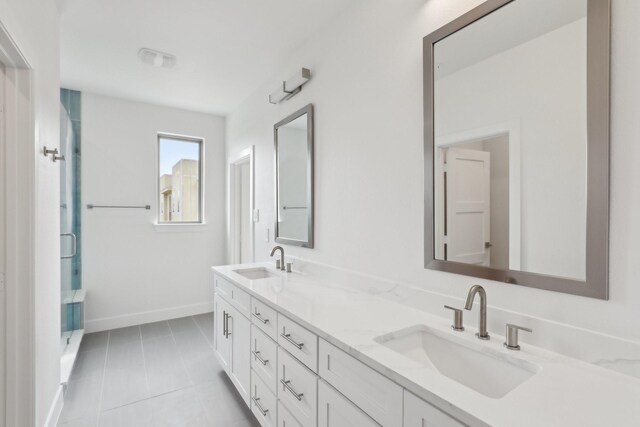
(375, 394)
(265, 317)
(298, 341)
(285, 419)
(238, 298)
(297, 389)
(418, 413)
(264, 404)
(264, 357)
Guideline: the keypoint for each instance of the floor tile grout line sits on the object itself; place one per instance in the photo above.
(144, 363)
(184, 364)
(202, 331)
(104, 374)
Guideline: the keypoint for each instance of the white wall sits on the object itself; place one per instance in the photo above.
(134, 271)
(541, 85)
(34, 27)
(367, 92)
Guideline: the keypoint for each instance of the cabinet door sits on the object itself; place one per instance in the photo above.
(335, 410)
(239, 331)
(222, 344)
(418, 413)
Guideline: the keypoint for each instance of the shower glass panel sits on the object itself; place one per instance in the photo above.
(72, 295)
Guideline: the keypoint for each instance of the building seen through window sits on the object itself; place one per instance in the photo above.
(180, 166)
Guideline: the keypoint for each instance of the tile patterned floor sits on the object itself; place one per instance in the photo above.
(158, 374)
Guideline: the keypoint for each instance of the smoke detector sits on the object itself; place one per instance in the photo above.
(156, 58)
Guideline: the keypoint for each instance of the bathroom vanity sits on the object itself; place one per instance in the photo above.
(303, 351)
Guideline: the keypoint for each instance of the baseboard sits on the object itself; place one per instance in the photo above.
(56, 409)
(107, 323)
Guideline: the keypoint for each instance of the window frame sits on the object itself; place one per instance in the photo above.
(185, 138)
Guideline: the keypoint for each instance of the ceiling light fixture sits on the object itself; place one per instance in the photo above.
(291, 87)
(156, 58)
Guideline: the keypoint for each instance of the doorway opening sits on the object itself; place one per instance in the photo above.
(241, 208)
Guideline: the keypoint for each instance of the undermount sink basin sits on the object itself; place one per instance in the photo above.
(255, 273)
(487, 371)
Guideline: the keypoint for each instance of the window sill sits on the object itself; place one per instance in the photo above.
(180, 228)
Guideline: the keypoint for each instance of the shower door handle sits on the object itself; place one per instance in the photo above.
(74, 245)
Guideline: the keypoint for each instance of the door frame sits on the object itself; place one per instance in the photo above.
(246, 155)
(18, 165)
(512, 129)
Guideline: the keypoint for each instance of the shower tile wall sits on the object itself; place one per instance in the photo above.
(70, 203)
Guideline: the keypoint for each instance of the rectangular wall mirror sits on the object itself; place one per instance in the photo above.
(293, 138)
(516, 99)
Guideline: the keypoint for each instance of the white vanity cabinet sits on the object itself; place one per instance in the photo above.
(221, 344)
(418, 413)
(290, 377)
(232, 344)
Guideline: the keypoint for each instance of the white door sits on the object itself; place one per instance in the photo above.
(239, 331)
(468, 192)
(221, 341)
(335, 410)
(418, 413)
(245, 212)
(2, 249)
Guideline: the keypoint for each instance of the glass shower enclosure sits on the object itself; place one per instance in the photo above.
(72, 294)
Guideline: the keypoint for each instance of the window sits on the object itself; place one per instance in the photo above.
(180, 179)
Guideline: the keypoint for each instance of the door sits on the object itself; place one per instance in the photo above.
(418, 413)
(239, 331)
(70, 262)
(244, 211)
(2, 248)
(221, 341)
(335, 410)
(467, 204)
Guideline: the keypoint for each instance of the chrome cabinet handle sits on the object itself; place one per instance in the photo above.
(228, 331)
(224, 323)
(74, 245)
(260, 318)
(288, 338)
(257, 355)
(256, 401)
(291, 389)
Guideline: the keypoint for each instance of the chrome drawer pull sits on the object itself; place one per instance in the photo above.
(288, 338)
(260, 318)
(224, 323)
(257, 355)
(291, 390)
(256, 401)
(227, 322)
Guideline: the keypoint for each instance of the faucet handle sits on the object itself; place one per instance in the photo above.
(457, 318)
(511, 336)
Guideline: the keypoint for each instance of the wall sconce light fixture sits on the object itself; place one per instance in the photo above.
(291, 87)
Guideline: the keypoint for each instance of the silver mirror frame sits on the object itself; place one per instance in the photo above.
(308, 110)
(596, 284)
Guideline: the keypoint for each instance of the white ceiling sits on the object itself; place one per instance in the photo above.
(225, 49)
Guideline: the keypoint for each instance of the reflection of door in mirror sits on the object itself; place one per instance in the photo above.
(473, 182)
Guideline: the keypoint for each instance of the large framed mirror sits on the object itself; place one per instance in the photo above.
(516, 104)
(293, 138)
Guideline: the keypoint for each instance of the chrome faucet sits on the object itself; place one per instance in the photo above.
(280, 262)
(482, 324)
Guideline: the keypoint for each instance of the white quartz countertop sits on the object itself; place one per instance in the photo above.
(564, 392)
